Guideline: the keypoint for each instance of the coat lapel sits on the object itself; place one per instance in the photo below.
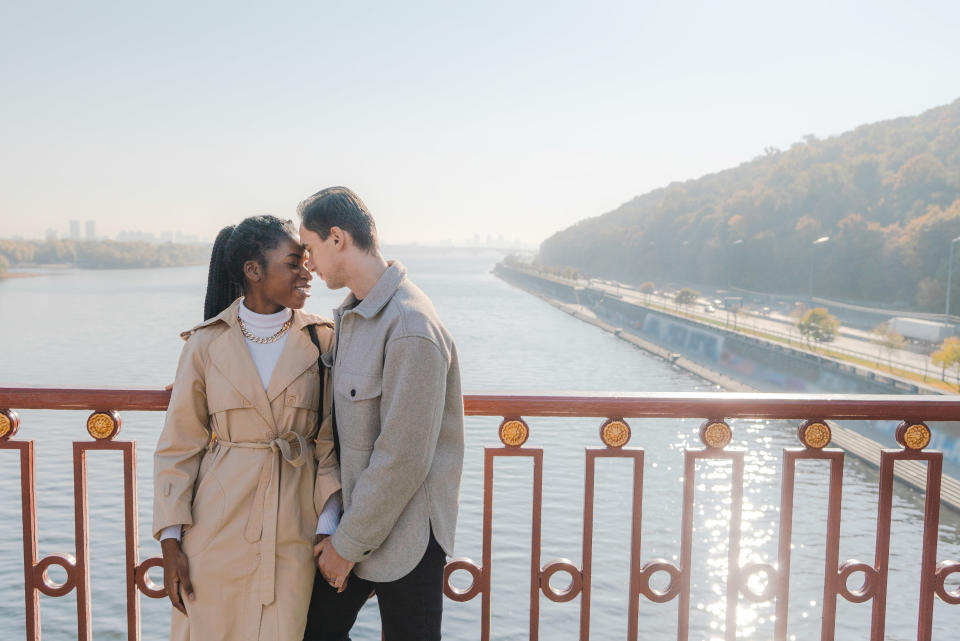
(299, 353)
(230, 355)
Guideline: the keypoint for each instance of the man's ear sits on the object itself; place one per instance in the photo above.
(253, 271)
(340, 238)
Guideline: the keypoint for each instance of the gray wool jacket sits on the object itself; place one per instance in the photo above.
(399, 410)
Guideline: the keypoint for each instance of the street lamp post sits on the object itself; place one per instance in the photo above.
(729, 268)
(946, 310)
(819, 241)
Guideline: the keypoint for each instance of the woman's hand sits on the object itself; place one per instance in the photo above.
(176, 573)
(334, 569)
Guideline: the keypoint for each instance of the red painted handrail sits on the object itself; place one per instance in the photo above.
(638, 405)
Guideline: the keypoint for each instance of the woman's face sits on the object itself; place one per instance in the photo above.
(283, 282)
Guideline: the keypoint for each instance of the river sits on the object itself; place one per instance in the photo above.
(120, 329)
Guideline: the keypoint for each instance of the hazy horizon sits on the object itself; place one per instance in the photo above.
(451, 122)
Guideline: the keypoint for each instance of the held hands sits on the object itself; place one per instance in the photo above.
(176, 573)
(333, 568)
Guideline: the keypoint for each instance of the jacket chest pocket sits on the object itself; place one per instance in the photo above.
(358, 408)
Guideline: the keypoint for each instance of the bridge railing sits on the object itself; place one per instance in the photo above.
(812, 414)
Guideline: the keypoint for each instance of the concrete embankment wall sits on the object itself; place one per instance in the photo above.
(724, 356)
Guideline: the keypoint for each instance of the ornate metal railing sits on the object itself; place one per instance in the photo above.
(814, 434)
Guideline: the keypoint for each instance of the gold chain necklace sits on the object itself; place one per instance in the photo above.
(268, 339)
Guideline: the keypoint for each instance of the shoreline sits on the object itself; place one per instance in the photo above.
(866, 449)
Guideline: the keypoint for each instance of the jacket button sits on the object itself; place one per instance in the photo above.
(353, 392)
(368, 552)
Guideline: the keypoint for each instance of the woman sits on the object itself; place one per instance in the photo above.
(236, 467)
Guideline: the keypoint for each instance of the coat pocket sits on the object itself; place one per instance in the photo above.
(358, 408)
(207, 509)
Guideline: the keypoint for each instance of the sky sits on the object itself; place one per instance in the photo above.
(450, 119)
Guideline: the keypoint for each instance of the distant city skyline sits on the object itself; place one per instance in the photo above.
(451, 120)
(499, 241)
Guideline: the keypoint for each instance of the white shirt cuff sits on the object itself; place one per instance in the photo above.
(330, 516)
(171, 532)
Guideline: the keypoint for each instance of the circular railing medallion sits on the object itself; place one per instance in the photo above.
(144, 583)
(815, 434)
(45, 584)
(568, 593)
(770, 587)
(867, 590)
(104, 425)
(945, 569)
(665, 594)
(9, 423)
(715, 434)
(913, 436)
(514, 432)
(615, 432)
(471, 568)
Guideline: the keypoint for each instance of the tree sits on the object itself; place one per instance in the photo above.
(819, 325)
(3, 264)
(948, 355)
(888, 195)
(686, 296)
(889, 341)
(647, 288)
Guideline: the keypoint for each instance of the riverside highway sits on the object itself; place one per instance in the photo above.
(851, 342)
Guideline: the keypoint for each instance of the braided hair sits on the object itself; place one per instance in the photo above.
(234, 246)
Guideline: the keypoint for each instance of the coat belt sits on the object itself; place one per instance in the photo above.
(266, 503)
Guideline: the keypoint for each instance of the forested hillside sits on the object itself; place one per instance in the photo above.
(886, 194)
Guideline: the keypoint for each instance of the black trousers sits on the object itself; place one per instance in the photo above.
(410, 607)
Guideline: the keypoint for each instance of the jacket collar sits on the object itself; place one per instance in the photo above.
(228, 316)
(229, 354)
(380, 295)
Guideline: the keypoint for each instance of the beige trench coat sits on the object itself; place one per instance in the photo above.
(239, 468)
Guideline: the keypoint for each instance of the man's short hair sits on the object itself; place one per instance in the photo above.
(339, 207)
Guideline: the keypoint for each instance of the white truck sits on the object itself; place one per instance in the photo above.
(919, 329)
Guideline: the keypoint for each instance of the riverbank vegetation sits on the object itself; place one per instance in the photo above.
(819, 325)
(886, 196)
(101, 254)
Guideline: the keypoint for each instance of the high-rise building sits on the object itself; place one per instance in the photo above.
(74, 230)
(91, 230)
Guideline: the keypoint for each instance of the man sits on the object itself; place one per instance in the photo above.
(399, 426)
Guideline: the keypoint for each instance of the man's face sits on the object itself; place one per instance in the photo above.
(322, 257)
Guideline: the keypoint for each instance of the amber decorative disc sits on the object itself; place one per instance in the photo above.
(615, 432)
(514, 432)
(716, 434)
(103, 425)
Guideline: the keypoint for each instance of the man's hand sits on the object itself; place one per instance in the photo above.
(333, 568)
(176, 573)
